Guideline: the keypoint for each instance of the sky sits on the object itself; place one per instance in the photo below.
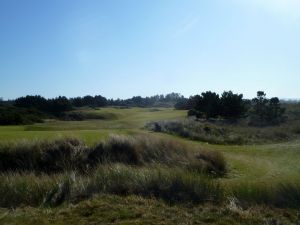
(121, 49)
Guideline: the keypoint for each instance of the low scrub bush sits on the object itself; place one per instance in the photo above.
(222, 132)
(196, 131)
(81, 115)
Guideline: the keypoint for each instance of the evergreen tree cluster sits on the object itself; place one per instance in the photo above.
(266, 111)
(211, 105)
(260, 111)
(168, 100)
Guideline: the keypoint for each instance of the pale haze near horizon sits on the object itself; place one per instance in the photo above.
(121, 49)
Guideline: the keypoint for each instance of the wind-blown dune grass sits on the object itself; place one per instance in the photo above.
(278, 194)
(173, 186)
(49, 173)
(70, 154)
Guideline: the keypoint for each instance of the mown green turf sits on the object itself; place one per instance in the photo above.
(119, 121)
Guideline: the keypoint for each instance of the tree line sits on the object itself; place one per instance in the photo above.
(260, 110)
(34, 108)
(62, 103)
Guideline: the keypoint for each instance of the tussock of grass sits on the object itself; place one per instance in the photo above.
(44, 156)
(214, 162)
(176, 186)
(25, 189)
(116, 149)
(142, 150)
(73, 155)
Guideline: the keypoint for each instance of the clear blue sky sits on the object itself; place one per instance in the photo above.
(120, 48)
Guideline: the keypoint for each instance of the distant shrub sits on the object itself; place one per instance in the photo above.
(11, 118)
(154, 110)
(73, 116)
(80, 116)
(10, 115)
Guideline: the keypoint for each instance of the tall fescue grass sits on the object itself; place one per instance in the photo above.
(173, 186)
(44, 156)
(49, 173)
(67, 170)
(25, 189)
(73, 155)
(279, 194)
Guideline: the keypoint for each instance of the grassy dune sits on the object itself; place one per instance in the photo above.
(258, 175)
